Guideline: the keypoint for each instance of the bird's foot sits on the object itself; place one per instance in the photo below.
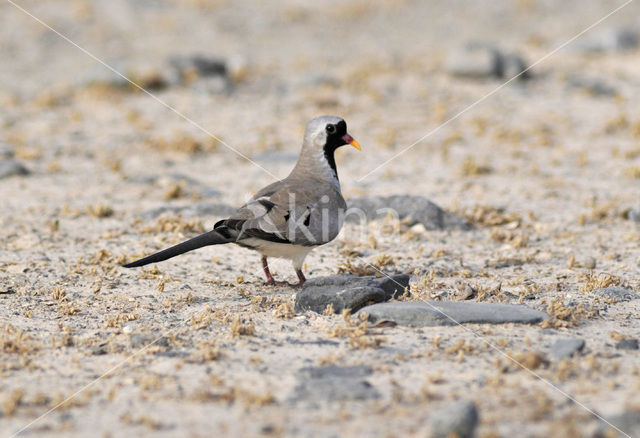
(277, 283)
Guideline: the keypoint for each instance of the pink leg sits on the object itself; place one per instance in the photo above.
(265, 267)
(270, 280)
(301, 277)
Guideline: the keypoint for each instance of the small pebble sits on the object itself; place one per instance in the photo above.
(634, 213)
(457, 419)
(627, 344)
(12, 167)
(563, 348)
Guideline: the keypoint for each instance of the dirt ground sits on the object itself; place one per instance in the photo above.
(545, 169)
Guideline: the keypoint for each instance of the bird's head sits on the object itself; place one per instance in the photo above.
(328, 133)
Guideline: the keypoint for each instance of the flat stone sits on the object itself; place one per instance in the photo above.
(6, 151)
(140, 340)
(418, 208)
(514, 65)
(628, 422)
(207, 73)
(348, 292)
(334, 371)
(474, 61)
(99, 350)
(627, 344)
(334, 383)
(593, 86)
(478, 60)
(457, 419)
(634, 214)
(617, 293)
(609, 40)
(314, 342)
(436, 313)
(563, 348)
(11, 167)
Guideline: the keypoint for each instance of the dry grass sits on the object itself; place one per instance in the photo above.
(384, 260)
(531, 360)
(486, 216)
(100, 210)
(284, 311)
(59, 294)
(67, 309)
(201, 320)
(360, 269)
(563, 316)
(241, 328)
(357, 332)
(14, 341)
(206, 352)
(116, 321)
(11, 403)
(516, 239)
(591, 281)
(175, 191)
(633, 172)
(181, 142)
(470, 167)
(173, 224)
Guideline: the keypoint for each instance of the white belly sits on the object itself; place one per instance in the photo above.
(294, 253)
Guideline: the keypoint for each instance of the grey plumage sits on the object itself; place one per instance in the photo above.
(290, 217)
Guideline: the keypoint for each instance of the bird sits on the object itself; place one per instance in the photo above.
(288, 218)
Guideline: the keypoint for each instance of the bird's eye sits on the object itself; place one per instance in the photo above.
(331, 129)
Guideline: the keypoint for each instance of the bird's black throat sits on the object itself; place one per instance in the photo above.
(334, 141)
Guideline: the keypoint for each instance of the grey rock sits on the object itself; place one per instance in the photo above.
(314, 342)
(348, 292)
(479, 60)
(457, 419)
(11, 167)
(634, 214)
(610, 40)
(334, 371)
(200, 209)
(98, 74)
(514, 65)
(436, 313)
(6, 151)
(474, 61)
(617, 293)
(628, 422)
(211, 73)
(563, 348)
(142, 179)
(200, 64)
(333, 383)
(140, 340)
(418, 208)
(627, 344)
(593, 86)
(99, 350)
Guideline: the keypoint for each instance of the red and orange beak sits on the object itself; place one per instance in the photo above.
(350, 140)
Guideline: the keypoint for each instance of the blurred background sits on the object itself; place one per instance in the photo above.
(94, 171)
(253, 74)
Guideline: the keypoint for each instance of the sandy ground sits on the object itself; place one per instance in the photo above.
(545, 171)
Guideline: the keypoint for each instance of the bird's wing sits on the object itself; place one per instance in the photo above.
(284, 213)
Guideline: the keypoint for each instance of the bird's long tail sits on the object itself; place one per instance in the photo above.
(213, 237)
